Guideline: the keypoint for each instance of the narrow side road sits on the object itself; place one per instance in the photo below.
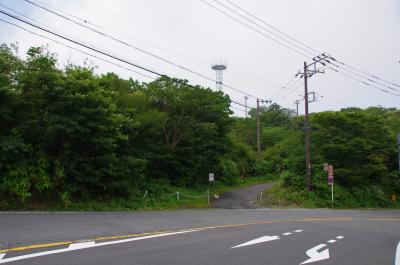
(244, 198)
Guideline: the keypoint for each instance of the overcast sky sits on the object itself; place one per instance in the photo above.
(361, 33)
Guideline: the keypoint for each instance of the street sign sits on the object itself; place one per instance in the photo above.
(330, 180)
(330, 174)
(326, 167)
(211, 177)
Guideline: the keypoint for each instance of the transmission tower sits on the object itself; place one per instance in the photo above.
(219, 68)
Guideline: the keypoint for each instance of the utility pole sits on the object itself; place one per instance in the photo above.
(398, 148)
(258, 130)
(307, 128)
(307, 73)
(245, 105)
(297, 102)
(258, 126)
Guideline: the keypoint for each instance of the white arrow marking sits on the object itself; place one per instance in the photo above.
(257, 241)
(397, 259)
(315, 255)
(81, 245)
(86, 245)
(2, 255)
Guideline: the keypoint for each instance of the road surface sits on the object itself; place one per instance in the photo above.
(243, 198)
(236, 236)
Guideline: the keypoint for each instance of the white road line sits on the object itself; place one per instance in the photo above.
(298, 231)
(397, 258)
(286, 234)
(340, 237)
(2, 255)
(85, 245)
(331, 241)
(81, 245)
(257, 241)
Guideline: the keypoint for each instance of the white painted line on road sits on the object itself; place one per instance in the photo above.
(264, 239)
(81, 245)
(86, 245)
(340, 237)
(257, 241)
(331, 241)
(2, 255)
(397, 258)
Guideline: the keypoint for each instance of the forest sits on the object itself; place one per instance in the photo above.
(69, 134)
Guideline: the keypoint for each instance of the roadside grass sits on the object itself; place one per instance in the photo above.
(189, 198)
(280, 196)
(163, 197)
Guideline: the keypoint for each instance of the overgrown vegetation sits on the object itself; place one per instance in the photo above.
(69, 136)
(73, 139)
(361, 144)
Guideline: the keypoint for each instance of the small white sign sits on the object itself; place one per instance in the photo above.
(211, 177)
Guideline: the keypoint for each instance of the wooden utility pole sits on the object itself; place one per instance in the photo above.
(258, 126)
(258, 130)
(245, 105)
(297, 102)
(309, 71)
(307, 128)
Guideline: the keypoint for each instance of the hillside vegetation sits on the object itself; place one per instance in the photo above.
(70, 138)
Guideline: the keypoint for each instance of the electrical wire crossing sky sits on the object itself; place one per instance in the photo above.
(265, 44)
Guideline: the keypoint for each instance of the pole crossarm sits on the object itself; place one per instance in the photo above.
(308, 71)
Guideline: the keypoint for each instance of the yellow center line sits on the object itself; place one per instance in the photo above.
(64, 243)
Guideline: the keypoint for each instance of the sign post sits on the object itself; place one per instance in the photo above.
(211, 178)
(330, 178)
(329, 169)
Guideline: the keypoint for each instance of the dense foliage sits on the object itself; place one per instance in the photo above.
(71, 135)
(68, 135)
(361, 144)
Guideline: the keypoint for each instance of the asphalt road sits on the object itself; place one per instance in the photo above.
(244, 198)
(236, 236)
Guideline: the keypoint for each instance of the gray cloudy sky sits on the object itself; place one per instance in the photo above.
(361, 33)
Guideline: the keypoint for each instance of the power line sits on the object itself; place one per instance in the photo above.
(332, 99)
(150, 44)
(252, 28)
(285, 88)
(264, 28)
(242, 73)
(272, 27)
(80, 44)
(76, 49)
(85, 46)
(233, 107)
(292, 90)
(135, 47)
(237, 103)
(308, 47)
(359, 75)
(363, 82)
